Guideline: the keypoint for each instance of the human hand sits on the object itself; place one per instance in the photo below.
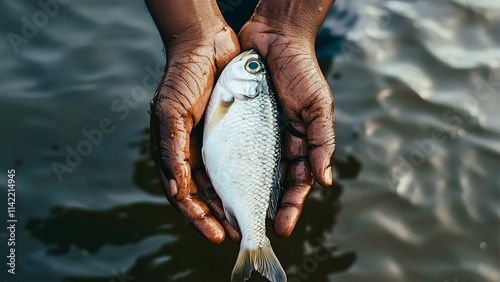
(284, 34)
(198, 46)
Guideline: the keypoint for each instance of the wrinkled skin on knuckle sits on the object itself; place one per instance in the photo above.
(318, 110)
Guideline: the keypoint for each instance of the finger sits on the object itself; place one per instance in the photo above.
(296, 180)
(196, 212)
(317, 114)
(191, 207)
(206, 190)
(168, 190)
(298, 186)
(294, 147)
(214, 203)
(173, 151)
(283, 170)
(173, 144)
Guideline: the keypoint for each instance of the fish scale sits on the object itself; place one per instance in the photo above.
(241, 151)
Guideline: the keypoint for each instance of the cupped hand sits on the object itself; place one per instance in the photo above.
(199, 44)
(195, 56)
(287, 44)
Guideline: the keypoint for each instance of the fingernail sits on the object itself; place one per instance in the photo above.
(173, 187)
(328, 176)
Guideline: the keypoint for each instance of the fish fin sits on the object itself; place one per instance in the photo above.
(275, 192)
(231, 218)
(263, 260)
(221, 109)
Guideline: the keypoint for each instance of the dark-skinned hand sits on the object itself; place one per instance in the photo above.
(199, 44)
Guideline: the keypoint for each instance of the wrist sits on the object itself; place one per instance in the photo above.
(271, 40)
(186, 20)
(293, 17)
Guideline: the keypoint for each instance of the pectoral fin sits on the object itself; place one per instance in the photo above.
(221, 109)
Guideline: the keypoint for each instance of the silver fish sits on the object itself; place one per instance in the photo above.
(241, 152)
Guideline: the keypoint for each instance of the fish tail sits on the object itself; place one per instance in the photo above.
(263, 260)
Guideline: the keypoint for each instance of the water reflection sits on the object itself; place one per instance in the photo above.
(306, 255)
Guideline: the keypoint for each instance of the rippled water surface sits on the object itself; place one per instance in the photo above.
(416, 87)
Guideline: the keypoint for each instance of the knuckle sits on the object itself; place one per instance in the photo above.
(290, 202)
(291, 205)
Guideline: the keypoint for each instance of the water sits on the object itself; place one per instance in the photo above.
(416, 196)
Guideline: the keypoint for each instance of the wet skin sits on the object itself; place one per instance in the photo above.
(199, 44)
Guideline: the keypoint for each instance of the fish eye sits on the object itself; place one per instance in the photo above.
(253, 66)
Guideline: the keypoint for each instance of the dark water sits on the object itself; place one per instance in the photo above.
(416, 87)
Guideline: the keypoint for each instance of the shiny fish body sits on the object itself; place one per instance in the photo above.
(241, 150)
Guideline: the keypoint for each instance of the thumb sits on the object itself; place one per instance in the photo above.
(177, 108)
(172, 152)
